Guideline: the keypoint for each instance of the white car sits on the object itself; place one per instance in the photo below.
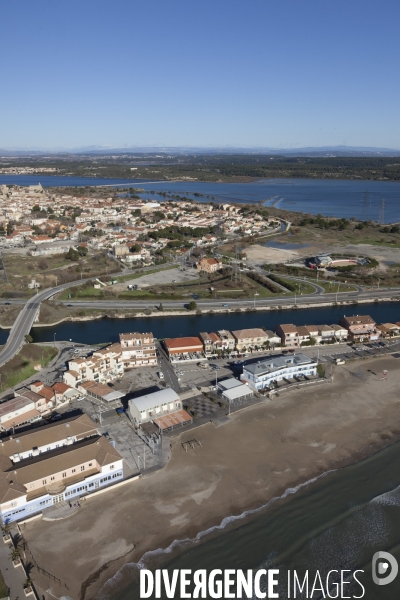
(161, 375)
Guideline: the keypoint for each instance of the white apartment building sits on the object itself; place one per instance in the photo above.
(264, 373)
(137, 349)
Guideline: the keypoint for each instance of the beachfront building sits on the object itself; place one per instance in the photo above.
(250, 339)
(266, 373)
(184, 348)
(289, 335)
(150, 406)
(360, 328)
(137, 350)
(54, 463)
(234, 391)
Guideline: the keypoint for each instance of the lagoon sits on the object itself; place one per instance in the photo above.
(338, 198)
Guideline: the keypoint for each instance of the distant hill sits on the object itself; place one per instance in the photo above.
(316, 151)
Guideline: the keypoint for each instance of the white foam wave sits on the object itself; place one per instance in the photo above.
(391, 498)
(112, 583)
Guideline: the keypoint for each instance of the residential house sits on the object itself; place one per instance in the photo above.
(289, 335)
(360, 328)
(250, 339)
(209, 265)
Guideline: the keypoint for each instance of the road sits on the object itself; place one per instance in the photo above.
(23, 323)
(27, 315)
(301, 300)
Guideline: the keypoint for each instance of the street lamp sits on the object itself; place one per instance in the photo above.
(337, 291)
(255, 294)
(54, 340)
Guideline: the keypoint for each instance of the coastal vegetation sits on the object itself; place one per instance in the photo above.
(220, 167)
(21, 366)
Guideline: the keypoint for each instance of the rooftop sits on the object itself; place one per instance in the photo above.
(149, 401)
(277, 362)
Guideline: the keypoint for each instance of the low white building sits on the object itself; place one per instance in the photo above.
(234, 391)
(151, 406)
(264, 373)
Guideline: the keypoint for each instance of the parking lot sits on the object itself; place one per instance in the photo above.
(163, 277)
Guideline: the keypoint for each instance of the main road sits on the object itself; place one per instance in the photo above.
(28, 314)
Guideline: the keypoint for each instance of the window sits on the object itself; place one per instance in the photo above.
(90, 464)
(111, 467)
(44, 481)
(52, 478)
(73, 470)
(14, 503)
(82, 467)
(32, 485)
(64, 474)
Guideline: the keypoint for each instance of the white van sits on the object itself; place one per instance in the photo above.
(161, 375)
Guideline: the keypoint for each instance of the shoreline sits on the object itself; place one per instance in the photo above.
(283, 444)
(205, 312)
(162, 555)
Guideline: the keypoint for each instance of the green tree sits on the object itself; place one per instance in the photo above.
(192, 305)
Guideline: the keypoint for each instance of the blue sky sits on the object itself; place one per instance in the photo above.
(272, 73)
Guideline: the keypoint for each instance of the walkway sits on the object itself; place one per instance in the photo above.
(13, 577)
(61, 510)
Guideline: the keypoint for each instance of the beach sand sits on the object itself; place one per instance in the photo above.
(257, 455)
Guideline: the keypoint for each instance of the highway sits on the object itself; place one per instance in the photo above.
(301, 300)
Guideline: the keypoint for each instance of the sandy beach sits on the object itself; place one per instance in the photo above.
(242, 464)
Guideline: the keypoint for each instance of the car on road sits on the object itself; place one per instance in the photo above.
(179, 373)
(161, 375)
(69, 304)
(215, 367)
(225, 304)
(174, 281)
(7, 303)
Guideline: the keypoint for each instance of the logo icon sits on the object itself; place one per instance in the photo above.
(384, 568)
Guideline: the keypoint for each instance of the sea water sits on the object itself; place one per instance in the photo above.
(336, 521)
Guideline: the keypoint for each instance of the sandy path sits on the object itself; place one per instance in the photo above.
(257, 455)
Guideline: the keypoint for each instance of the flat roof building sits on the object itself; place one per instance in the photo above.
(264, 373)
(150, 406)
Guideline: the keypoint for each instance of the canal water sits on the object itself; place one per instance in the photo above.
(107, 330)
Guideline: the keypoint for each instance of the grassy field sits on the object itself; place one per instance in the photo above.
(21, 366)
(50, 271)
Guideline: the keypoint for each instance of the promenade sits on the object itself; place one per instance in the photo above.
(13, 577)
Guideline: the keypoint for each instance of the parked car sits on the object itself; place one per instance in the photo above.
(161, 375)
(56, 417)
